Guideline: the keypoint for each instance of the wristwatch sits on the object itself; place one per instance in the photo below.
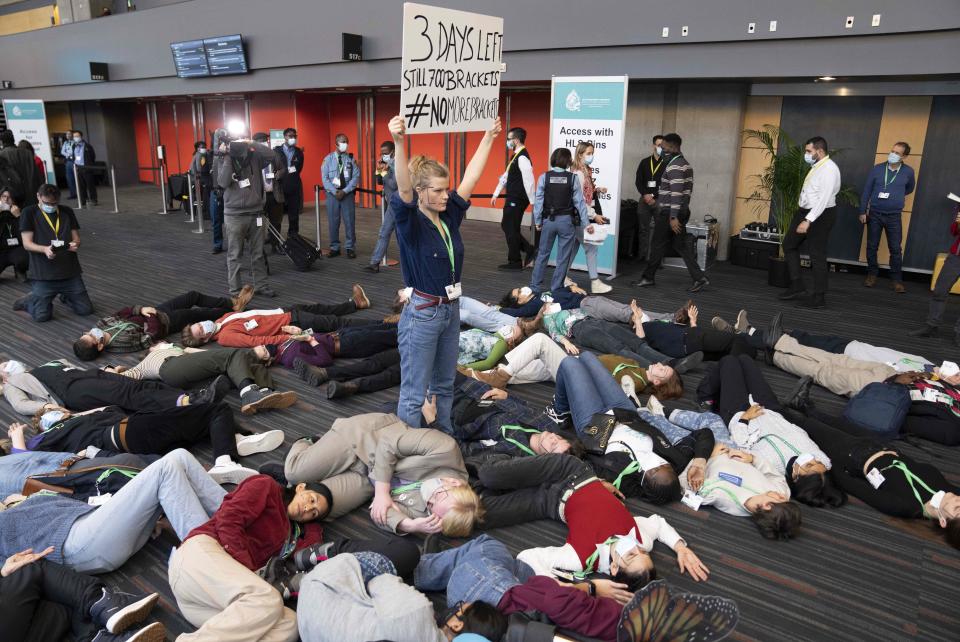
(593, 588)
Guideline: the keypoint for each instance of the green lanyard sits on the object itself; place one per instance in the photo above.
(291, 543)
(448, 241)
(521, 446)
(770, 437)
(706, 489)
(399, 490)
(591, 564)
(886, 182)
(117, 328)
(110, 471)
(912, 480)
(631, 468)
(623, 366)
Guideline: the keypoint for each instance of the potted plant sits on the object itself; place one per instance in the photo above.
(778, 188)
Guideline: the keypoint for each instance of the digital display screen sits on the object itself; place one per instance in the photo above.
(190, 59)
(225, 55)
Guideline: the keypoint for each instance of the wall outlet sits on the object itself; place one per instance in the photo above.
(751, 27)
(849, 22)
(773, 25)
(685, 31)
(666, 32)
(876, 20)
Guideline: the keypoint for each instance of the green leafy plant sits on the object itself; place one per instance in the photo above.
(778, 185)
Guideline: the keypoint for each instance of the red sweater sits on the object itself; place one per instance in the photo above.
(252, 524)
(594, 514)
(566, 607)
(267, 332)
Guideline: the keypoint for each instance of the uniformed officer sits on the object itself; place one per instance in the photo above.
(340, 178)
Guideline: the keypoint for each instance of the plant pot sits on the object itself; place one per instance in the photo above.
(777, 274)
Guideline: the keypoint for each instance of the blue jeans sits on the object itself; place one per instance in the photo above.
(71, 179)
(586, 388)
(480, 315)
(590, 251)
(347, 210)
(562, 230)
(480, 570)
(386, 231)
(72, 292)
(892, 222)
(16, 467)
(429, 342)
(216, 219)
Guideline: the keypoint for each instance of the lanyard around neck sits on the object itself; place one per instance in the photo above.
(786, 443)
(886, 169)
(913, 480)
(399, 490)
(515, 154)
(518, 444)
(653, 172)
(448, 242)
(813, 169)
(707, 488)
(591, 563)
(55, 228)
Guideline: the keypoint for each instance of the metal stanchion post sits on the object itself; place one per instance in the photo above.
(76, 181)
(316, 211)
(200, 213)
(190, 196)
(383, 215)
(113, 182)
(163, 189)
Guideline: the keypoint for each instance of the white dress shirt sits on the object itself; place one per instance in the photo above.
(526, 171)
(739, 483)
(820, 188)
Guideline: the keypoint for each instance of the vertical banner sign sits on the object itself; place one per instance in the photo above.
(593, 109)
(27, 119)
(452, 61)
(276, 137)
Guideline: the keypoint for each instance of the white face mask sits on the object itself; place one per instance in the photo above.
(649, 460)
(804, 459)
(511, 144)
(893, 158)
(4, 207)
(626, 543)
(208, 327)
(387, 158)
(14, 367)
(937, 498)
(342, 147)
(525, 291)
(809, 159)
(428, 487)
(96, 333)
(48, 419)
(506, 332)
(77, 139)
(659, 150)
(291, 142)
(588, 160)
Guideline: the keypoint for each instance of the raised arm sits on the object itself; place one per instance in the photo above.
(398, 130)
(478, 162)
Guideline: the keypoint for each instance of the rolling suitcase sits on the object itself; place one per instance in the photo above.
(299, 250)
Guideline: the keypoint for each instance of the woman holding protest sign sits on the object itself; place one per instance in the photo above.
(582, 161)
(428, 217)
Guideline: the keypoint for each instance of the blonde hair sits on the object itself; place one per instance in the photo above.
(423, 168)
(581, 148)
(464, 515)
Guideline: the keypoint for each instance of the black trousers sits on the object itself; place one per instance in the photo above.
(292, 202)
(324, 317)
(402, 551)
(240, 364)
(44, 601)
(640, 243)
(15, 257)
(206, 184)
(716, 344)
(274, 213)
(157, 433)
(87, 184)
(96, 389)
(360, 342)
(517, 490)
(816, 240)
(511, 226)
(730, 382)
(663, 239)
(827, 342)
(193, 307)
(378, 372)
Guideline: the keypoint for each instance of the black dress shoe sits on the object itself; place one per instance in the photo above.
(510, 266)
(372, 267)
(791, 294)
(799, 397)
(926, 331)
(351, 254)
(699, 284)
(217, 250)
(688, 363)
(333, 254)
(643, 283)
(340, 389)
(774, 331)
(816, 302)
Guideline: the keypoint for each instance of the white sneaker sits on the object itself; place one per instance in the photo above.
(629, 387)
(654, 406)
(232, 473)
(567, 282)
(261, 442)
(599, 287)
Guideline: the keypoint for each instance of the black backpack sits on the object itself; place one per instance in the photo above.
(82, 478)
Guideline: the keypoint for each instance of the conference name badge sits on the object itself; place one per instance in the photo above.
(13, 242)
(883, 195)
(454, 291)
(651, 183)
(244, 183)
(691, 499)
(876, 478)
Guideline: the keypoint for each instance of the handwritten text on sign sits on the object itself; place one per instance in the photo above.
(451, 69)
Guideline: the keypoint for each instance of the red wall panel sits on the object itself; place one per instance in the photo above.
(271, 111)
(167, 133)
(184, 137)
(313, 131)
(144, 152)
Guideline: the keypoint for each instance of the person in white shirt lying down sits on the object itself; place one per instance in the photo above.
(603, 535)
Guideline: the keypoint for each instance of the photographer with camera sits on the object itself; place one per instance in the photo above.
(238, 170)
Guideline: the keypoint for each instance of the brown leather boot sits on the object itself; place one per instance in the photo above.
(243, 298)
(360, 297)
(496, 378)
(870, 281)
(898, 287)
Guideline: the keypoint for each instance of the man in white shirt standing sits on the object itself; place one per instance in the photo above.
(519, 184)
(812, 224)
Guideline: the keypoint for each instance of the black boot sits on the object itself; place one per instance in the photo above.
(340, 389)
(799, 397)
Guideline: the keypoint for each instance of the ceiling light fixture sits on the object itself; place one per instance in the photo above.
(826, 78)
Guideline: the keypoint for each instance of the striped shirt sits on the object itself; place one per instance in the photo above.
(149, 368)
(676, 186)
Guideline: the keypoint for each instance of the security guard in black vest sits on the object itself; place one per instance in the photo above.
(517, 183)
(200, 168)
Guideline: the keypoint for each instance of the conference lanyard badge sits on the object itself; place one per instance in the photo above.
(691, 499)
(876, 478)
(244, 183)
(454, 291)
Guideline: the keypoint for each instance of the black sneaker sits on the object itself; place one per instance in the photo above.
(153, 632)
(699, 284)
(116, 612)
(216, 250)
(792, 294)
(687, 363)
(213, 393)
(21, 304)
(510, 266)
(279, 574)
(351, 254)
(643, 283)
(333, 254)
(799, 398)
(255, 399)
(276, 472)
(313, 375)
(372, 267)
(554, 416)
(925, 331)
(306, 558)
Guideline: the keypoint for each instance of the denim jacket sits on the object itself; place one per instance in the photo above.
(331, 170)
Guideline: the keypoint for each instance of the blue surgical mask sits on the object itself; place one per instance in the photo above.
(49, 419)
(588, 160)
(208, 327)
(659, 150)
(49, 209)
(809, 159)
(511, 144)
(893, 158)
(96, 333)
(387, 158)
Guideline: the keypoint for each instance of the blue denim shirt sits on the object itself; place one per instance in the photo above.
(288, 152)
(423, 253)
(331, 170)
(900, 184)
(78, 155)
(15, 468)
(66, 150)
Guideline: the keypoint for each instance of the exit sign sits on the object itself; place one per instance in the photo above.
(98, 71)
(352, 47)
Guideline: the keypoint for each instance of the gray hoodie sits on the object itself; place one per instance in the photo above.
(243, 200)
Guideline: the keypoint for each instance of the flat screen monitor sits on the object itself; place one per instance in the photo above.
(225, 55)
(190, 59)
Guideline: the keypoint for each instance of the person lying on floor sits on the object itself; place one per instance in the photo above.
(534, 359)
(476, 314)
(416, 477)
(749, 417)
(100, 539)
(487, 421)
(887, 479)
(44, 601)
(136, 328)
(569, 327)
(263, 327)
(379, 371)
(683, 336)
(17, 468)
(58, 384)
(524, 302)
(146, 433)
(623, 445)
(744, 485)
(603, 535)
(245, 368)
